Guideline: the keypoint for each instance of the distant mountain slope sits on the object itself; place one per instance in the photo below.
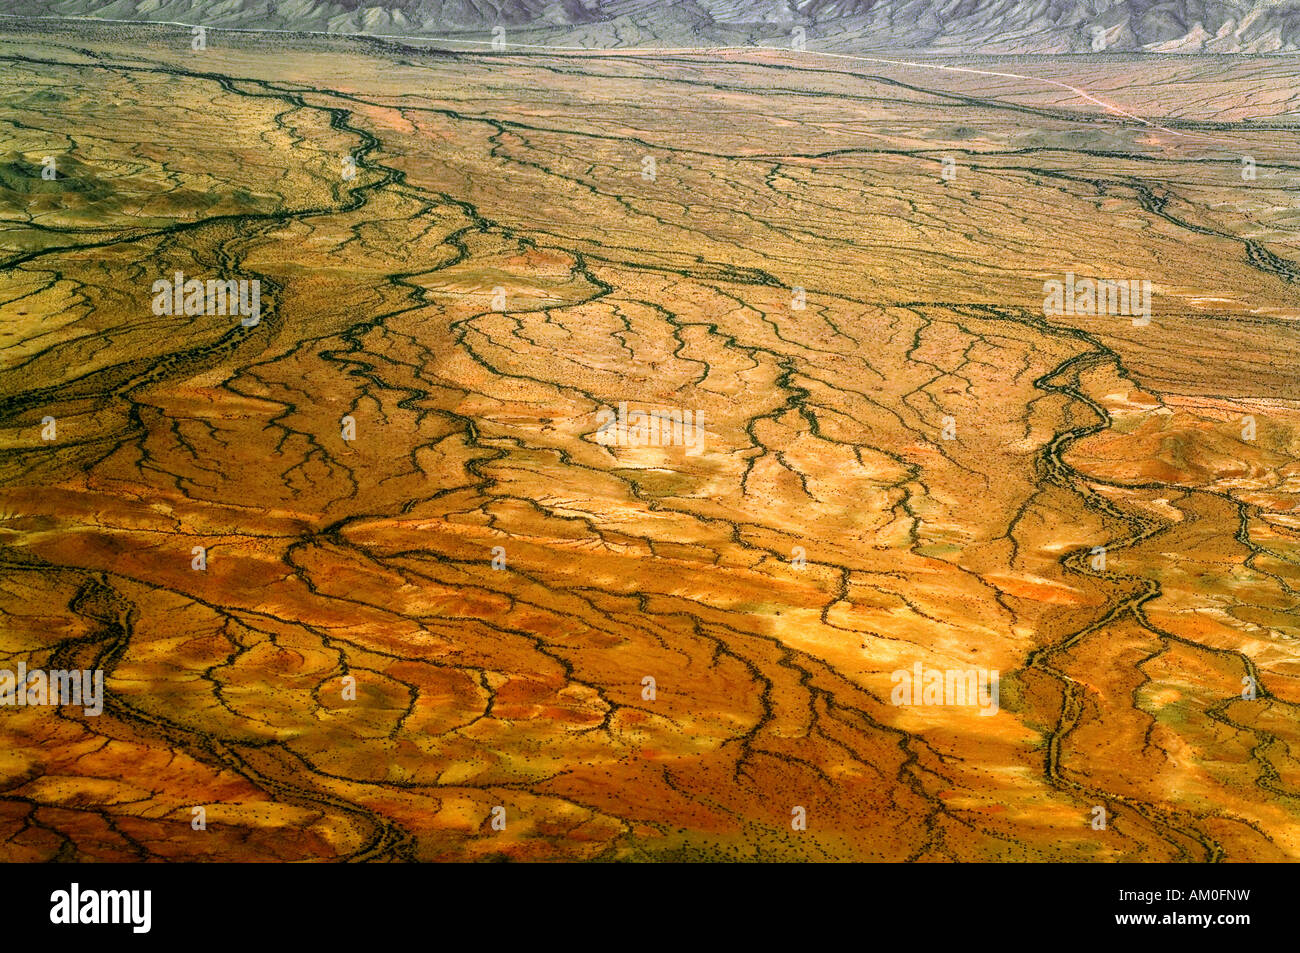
(964, 26)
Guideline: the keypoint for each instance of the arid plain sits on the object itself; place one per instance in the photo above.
(903, 459)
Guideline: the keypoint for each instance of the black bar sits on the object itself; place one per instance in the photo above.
(378, 903)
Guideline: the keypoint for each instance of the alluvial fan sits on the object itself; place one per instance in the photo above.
(423, 452)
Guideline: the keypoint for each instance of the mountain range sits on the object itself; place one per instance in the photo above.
(950, 26)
